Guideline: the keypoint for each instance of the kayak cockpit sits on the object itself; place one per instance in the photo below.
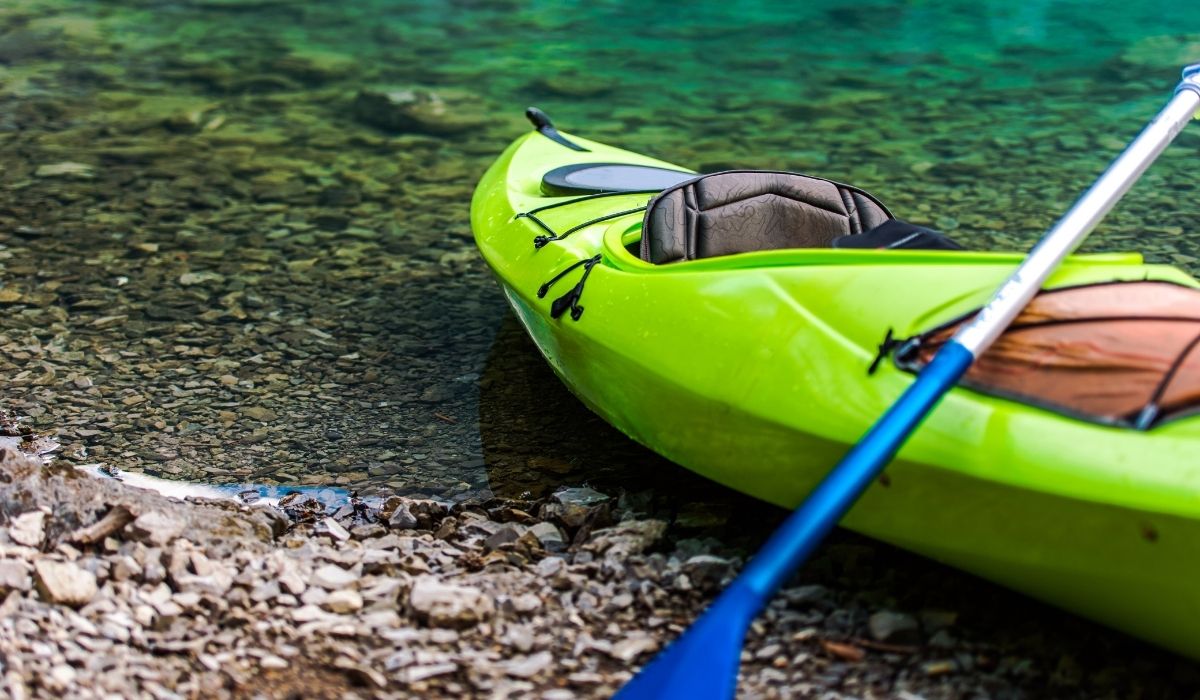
(692, 217)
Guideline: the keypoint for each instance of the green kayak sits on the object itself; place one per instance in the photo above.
(741, 328)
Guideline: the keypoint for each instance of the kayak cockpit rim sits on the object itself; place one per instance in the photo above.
(627, 231)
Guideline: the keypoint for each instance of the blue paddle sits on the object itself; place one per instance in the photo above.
(703, 663)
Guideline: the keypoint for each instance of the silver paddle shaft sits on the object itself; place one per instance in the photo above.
(1077, 223)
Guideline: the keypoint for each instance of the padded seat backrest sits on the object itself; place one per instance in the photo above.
(745, 210)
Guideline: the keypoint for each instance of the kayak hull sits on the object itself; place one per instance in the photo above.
(752, 371)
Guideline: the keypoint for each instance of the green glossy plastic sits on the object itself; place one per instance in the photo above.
(752, 371)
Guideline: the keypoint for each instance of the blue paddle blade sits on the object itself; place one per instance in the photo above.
(702, 664)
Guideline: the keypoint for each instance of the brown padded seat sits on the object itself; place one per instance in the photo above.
(739, 211)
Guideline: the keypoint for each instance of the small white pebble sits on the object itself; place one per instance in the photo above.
(63, 675)
(272, 661)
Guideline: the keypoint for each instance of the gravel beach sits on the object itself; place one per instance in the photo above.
(113, 591)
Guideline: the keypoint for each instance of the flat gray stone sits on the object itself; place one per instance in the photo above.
(28, 528)
(343, 602)
(14, 576)
(64, 583)
(894, 628)
(333, 577)
(550, 536)
(449, 605)
(528, 666)
(156, 528)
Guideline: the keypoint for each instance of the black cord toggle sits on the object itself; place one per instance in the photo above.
(889, 344)
(570, 300)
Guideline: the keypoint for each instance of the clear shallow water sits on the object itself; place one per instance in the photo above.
(222, 272)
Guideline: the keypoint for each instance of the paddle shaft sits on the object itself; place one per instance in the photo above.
(1077, 223)
(693, 667)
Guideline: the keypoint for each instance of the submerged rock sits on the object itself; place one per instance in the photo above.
(66, 169)
(23, 45)
(580, 496)
(314, 66)
(1161, 54)
(575, 84)
(419, 111)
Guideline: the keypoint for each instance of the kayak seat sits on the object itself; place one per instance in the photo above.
(895, 234)
(740, 211)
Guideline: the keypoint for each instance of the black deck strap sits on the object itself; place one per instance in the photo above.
(532, 215)
(534, 218)
(898, 235)
(1145, 419)
(545, 127)
(584, 198)
(541, 241)
(545, 288)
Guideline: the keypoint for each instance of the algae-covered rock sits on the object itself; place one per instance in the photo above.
(316, 66)
(67, 169)
(79, 28)
(132, 113)
(22, 45)
(419, 110)
(575, 84)
(1159, 54)
(242, 4)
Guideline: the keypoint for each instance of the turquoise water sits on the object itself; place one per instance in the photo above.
(991, 114)
(216, 266)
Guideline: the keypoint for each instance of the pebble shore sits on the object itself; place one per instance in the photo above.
(110, 591)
